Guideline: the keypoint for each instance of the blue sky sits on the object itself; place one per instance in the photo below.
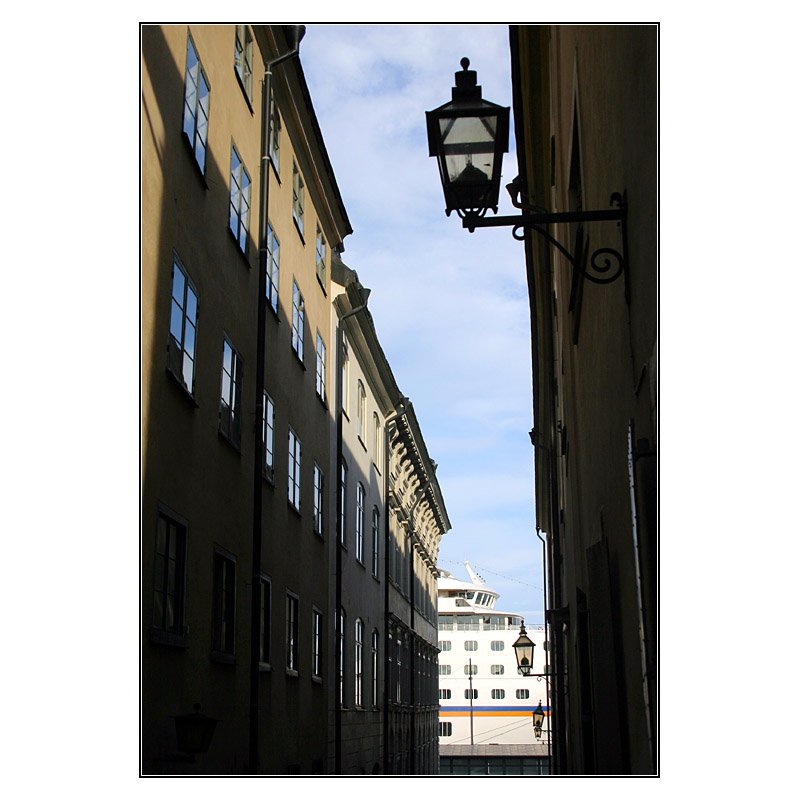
(450, 307)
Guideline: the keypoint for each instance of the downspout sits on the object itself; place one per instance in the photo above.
(398, 411)
(297, 32)
(339, 532)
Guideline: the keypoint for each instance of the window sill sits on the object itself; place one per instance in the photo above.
(322, 400)
(299, 230)
(197, 170)
(157, 636)
(316, 679)
(268, 474)
(292, 673)
(294, 508)
(375, 578)
(321, 283)
(300, 359)
(274, 311)
(244, 89)
(361, 442)
(243, 254)
(223, 658)
(235, 445)
(274, 168)
(263, 666)
(183, 387)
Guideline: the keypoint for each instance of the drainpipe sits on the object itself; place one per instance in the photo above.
(339, 532)
(295, 33)
(398, 411)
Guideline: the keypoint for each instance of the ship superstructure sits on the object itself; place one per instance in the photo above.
(482, 697)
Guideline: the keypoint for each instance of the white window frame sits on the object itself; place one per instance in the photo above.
(345, 377)
(498, 694)
(196, 106)
(321, 359)
(445, 645)
(292, 633)
(360, 499)
(230, 409)
(343, 496)
(275, 136)
(376, 525)
(268, 436)
(273, 268)
(239, 203)
(320, 256)
(523, 694)
(497, 645)
(243, 58)
(497, 669)
(361, 411)
(295, 455)
(359, 662)
(183, 315)
(298, 320)
(375, 663)
(298, 198)
(265, 616)
(317, 632)
(319, 499)
(470, 669)
(471, 645)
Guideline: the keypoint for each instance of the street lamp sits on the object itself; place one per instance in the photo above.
(538, 720)
(523, 650)
(468, 136)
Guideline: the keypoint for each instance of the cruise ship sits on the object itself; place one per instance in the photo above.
(482, 697)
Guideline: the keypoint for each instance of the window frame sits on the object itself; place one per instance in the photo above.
(292, 634)
(360, 503)
(358, 671)
(343, 503)
(298, 200)
(223, 631)
(273, 268)
(239, 205)
(375, 667)
(177, 352)
(321, 368)
(319, 500)
(243, 59)
(295, 469)
(160, 632)
(317, 637)
(376, 525)
(268, 437)
(230, 421)
(320, 251)
(361, 411)
(192, 137)
(265, 623)
(275, 136)
(298, 320)
(497, 669)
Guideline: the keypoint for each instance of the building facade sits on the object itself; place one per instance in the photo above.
(225, 464)
(417, 520)
(586, 116)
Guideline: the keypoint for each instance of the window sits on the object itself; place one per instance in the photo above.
(498, 694)
(230, 407)
(320, 368)
(376, 440)
(316, 643)
(343, 501)
(345, 375)
(471, 645)
(342, 641)
(292, 641)
(445, 645)
(298, 320)
(498, 645)
(170, 577)
(445, 729)
(224, 602)
(239, 206)
(359, 665)
(472, 692)
(470, 669)
(273, 260)
(320, 257)
(523, 694)
(243, 59)
(497, 669)
(361, 410)
(195, 106)
(268, 436)
(298, 198)
(445, 694)
(375, 667)
(319, 498)
(445, 669)
(445, 623)
(275, 136)
(182, 327)
(360, 523)
(376, 525)
(266, 621)
(294, 470)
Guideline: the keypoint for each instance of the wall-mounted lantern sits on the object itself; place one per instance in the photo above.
(194, 732)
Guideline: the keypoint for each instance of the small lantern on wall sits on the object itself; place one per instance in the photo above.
(538, 720)
(194, 731)
(523, 649)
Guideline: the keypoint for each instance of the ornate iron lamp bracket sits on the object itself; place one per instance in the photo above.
(603, 265)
